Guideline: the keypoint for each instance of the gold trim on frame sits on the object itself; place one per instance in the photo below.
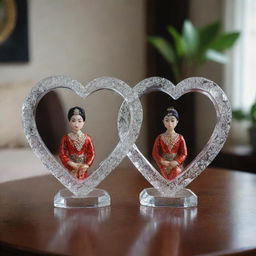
(9, 19)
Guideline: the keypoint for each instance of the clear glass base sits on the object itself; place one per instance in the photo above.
(183, 198)
(96, 198)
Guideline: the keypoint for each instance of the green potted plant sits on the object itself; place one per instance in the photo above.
(241, 115)
(191, 48)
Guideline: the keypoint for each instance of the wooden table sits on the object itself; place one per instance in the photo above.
(224, 223)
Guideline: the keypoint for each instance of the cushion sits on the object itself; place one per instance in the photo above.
(12, 97)
(19, 163)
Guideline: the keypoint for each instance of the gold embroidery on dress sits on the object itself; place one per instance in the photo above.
(169, 140)
(169, 157)
(77, 158)
(78, 139)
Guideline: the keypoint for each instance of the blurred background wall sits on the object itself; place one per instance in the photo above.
(201, 13)
(85, 39)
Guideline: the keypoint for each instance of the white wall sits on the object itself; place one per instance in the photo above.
(85, 39)
(202, 13)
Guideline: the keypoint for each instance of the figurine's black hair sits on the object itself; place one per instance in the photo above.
(76, 111)
(171, 111)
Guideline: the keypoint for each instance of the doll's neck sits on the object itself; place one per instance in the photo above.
(170, 132)
(77, 132)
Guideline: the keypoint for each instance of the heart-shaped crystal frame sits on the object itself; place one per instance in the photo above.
(81, 188)
(212, 147)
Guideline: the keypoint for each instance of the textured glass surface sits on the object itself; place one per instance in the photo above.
(153, 197)
(212, 147)
(119, 152)
(129, 123)
(96, 198)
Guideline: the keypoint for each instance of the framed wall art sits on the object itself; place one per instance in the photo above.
(14, 45)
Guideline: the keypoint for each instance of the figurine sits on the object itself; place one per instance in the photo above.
(170, 149)
(76, 148)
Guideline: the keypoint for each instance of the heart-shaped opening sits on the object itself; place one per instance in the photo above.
(119, 152)
(101, 109)
(211, 148)
(196, 128)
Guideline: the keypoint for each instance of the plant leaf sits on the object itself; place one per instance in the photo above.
(190, 36)
(178, 40)
(224, 41)
(215, 56)
(239, 114)
(208, 33)
(253, 113)
(164, 47)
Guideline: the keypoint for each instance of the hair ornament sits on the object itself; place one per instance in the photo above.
(170, 109)
(76, 111)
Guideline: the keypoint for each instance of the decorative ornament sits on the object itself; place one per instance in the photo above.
(165, 192)
(81, 188)
(165, 189)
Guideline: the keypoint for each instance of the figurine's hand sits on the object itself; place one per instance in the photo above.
(173, 164)
(74, 172)
(165, 163)
(84, 167)
(74, 165)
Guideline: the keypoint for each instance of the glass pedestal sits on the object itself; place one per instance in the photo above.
(96, 198)
(182, 199)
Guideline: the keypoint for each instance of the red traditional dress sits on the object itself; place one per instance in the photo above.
(164, 150)
(77, 148)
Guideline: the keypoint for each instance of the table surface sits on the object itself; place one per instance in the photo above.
(223, 222)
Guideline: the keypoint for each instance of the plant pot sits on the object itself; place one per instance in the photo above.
(252, 137)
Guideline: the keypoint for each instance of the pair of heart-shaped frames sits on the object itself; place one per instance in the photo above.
(129, 123)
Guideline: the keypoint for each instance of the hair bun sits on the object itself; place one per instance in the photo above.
(170, 109)
(76, 111)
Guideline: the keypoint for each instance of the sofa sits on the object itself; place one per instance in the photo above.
(17, 161)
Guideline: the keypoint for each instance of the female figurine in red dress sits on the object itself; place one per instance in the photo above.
(170, 149)
(76, 148)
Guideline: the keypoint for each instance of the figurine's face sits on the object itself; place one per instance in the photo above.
(76, 123)
(170, 122)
